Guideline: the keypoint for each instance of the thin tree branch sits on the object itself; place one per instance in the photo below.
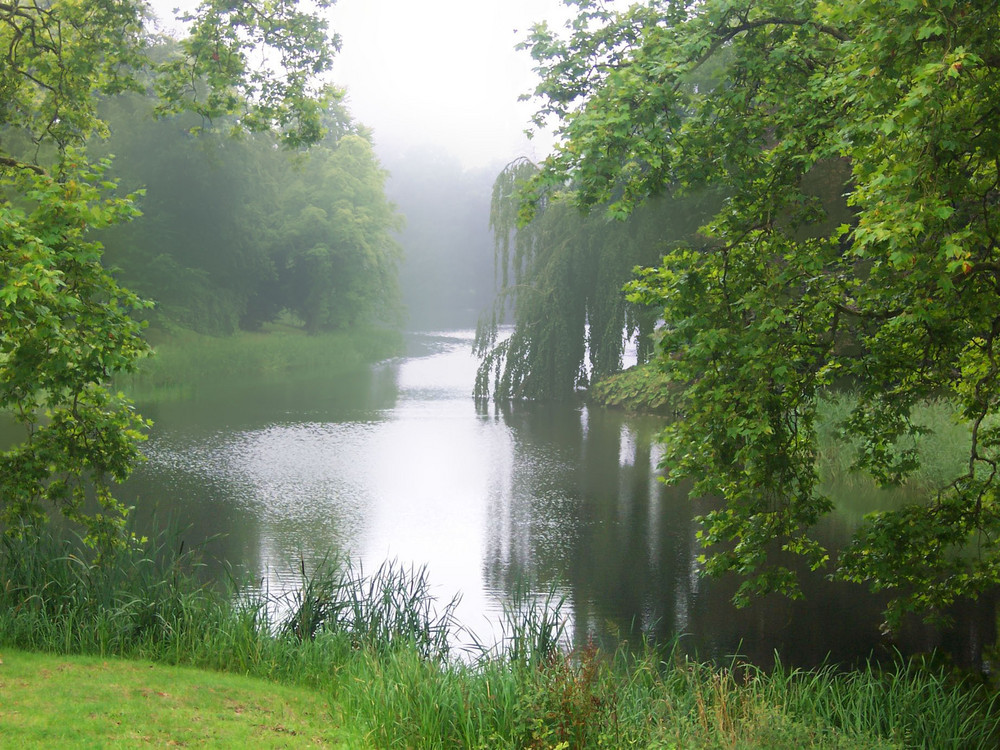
(7, 161)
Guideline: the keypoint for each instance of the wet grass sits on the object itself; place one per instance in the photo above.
(380, 652)
(87, 701)
(182, 358)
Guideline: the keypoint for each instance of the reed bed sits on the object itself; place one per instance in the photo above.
(382, 650)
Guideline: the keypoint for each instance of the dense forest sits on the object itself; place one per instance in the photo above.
(234, 233)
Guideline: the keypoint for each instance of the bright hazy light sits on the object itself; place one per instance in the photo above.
(438, 74)
(442, 73)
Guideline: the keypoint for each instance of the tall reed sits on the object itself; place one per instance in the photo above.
(532, 628)
(391, 606)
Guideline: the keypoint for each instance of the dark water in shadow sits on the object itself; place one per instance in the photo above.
(400, 463)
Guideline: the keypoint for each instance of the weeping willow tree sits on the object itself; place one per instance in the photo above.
(560, 277)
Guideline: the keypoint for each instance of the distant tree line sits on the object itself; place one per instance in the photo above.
(234, 232)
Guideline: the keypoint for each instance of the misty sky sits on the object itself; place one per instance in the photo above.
(439, 74)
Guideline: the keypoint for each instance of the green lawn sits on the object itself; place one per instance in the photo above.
(73, 701)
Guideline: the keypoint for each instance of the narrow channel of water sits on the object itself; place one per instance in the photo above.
(400, 463)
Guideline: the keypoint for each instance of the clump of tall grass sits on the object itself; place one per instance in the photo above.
(380, 648)
(56, 596)
(391, 606)
(585, 698)
(901, 706)
(531, 629)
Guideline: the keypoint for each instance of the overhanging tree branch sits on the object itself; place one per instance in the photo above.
(7, 161)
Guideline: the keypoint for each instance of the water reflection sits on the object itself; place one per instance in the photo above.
(401, 463)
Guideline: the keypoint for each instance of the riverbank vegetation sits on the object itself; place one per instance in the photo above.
(182, 358)
(940, 442)
(642, 388)
(389, 663)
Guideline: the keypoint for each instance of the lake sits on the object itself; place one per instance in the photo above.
(399, 463)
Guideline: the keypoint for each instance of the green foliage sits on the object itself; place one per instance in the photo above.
(66, 327)
(233, 233)
(560, 276)
(641, 388)
(223, 68)
(888, 104)
(335, 257)
(385, 680)
(62, 56)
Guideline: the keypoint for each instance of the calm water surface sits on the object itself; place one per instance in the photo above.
(400, 463)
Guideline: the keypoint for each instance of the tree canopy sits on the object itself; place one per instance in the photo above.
(559, 280)
(893, 290)
(66, 325)
(235, 232)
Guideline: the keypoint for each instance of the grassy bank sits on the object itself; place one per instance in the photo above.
(183, 358)
(89, 701)
(638, 389)
(380, 652)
